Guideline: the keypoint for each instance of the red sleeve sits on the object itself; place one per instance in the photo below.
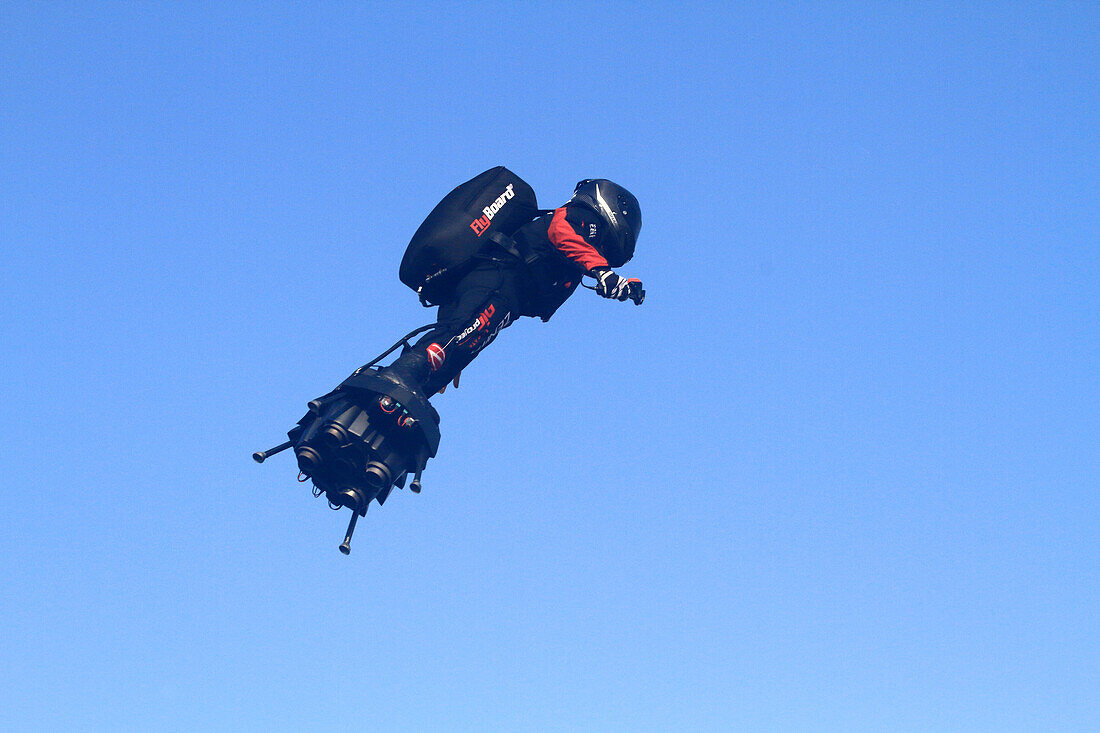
(572, 245)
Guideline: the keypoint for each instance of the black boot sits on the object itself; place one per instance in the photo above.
(411, 371)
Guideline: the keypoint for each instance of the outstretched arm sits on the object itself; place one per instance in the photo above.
(572, 243)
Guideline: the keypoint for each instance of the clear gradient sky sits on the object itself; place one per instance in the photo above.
(839, 473)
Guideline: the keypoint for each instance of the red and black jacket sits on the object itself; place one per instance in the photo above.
(559, 248)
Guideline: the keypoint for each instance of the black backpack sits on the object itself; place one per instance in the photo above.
(481, 213)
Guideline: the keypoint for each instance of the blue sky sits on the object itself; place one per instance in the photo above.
(838, 473)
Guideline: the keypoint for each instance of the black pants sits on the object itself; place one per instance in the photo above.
(486, 300)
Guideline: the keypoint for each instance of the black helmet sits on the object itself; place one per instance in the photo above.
(620, 212)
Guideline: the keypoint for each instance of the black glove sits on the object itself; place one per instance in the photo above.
(610, 285)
